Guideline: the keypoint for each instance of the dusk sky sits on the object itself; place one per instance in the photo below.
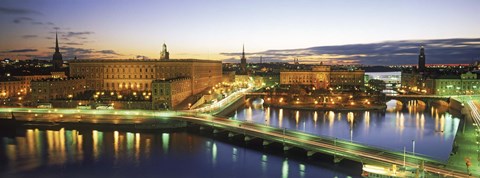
(367, 32)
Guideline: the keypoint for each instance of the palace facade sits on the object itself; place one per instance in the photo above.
(125, 75)
(323, 76)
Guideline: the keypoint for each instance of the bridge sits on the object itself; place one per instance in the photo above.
(312, 144)
(427, 99)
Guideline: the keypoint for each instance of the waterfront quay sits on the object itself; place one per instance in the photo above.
(312, 144)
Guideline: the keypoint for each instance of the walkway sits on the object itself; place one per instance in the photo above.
(468, 141)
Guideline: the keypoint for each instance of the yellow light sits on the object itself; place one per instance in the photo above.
(352, 103)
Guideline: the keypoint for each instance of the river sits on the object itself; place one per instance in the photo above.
(430, 130)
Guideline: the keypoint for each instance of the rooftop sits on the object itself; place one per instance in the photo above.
(57, 79)
(142, 60)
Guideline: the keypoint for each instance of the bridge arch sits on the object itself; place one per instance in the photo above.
(394, 105)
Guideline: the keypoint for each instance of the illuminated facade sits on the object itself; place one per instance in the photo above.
(323, 77)
(139, 76)
(169, 93)
(61, 88)
(10, 87)
(467, 84)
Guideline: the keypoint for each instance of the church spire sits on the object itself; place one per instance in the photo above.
(57, 49)
(243, 61)
(243, 51)
(57, 59)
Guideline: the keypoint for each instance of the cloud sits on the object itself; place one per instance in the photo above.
(29, 36)
(16, 11)
(78, 34)
(73, 43)
(22, 19)
(458, 50)
(85, 53)
(21, 51)
(108, 52)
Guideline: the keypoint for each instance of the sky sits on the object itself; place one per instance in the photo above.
(332, 31)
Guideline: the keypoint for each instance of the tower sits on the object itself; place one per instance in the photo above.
(421, 60)
(57, 59)
(164, 54)
(243, 61)
(295, 61)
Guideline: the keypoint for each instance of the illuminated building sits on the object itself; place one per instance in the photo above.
(171, 92)
(61, 88)
(137, 75)
(323, 77)
(11, 86)
(466, 84)
(128, 76)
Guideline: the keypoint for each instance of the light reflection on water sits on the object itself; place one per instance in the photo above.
(393, 130)
(67, 153)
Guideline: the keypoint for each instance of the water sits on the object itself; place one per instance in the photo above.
(433, 129)
(91, 153)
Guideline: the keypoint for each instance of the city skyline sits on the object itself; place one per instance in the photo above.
(332, 32)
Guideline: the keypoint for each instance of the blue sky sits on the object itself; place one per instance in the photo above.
(210, 29)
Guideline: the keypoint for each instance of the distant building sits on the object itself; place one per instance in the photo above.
(167, 94)
(164, 54)
(421, 60)
(323, 77)
(45, 90)
(57, 59)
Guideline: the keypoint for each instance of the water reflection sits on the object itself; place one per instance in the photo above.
(113, 153)
(285, 168)
(392, 130)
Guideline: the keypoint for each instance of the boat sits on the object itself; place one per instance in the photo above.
(388, 172)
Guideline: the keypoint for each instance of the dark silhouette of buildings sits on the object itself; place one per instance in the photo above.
(57, 59)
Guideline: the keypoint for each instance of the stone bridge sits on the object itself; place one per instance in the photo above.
(427, 99)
